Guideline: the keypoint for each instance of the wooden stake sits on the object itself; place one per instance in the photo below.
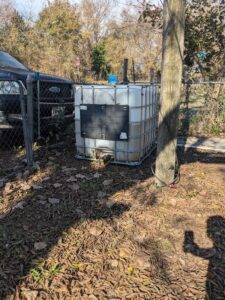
(125, 69)
(172, 61)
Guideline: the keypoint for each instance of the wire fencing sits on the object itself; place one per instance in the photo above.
(43, 110)
(202, 109)
(15, 139)
(53, 109)
(31, 111)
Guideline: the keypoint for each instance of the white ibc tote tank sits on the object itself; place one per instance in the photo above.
(118, 121)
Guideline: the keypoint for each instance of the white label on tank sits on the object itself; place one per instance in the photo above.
(123, 136)
(83, 107)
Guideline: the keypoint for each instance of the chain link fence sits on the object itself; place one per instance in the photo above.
(53, 107)
(202, 110)
(32, 111)
(15, 139)
(43, 110)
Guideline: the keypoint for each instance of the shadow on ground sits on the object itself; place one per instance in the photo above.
(215, 281)
(32, 226)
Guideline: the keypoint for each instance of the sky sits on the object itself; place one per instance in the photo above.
(35, 6)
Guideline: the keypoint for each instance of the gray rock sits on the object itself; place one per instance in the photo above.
(53, 200)
(101, 194)
(107, 182)
(2, 183)
(57, 185)
(26, 173)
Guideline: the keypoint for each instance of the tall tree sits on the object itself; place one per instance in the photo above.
(94, 15)
(172, 60)
(57, 36)
(13, 35)
(98, 61)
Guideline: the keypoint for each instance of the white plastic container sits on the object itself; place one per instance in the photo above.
(142, 102)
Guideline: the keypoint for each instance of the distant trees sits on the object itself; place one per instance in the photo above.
(58, 36)
(67, 39)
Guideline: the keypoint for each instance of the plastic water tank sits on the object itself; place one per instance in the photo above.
(119, 121)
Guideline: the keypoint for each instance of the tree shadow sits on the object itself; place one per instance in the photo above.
(39, 219)
(35, 225)
(215, 282)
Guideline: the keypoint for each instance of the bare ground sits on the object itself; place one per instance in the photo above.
(76, 230)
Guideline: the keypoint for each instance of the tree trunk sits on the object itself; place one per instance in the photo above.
(172, 62)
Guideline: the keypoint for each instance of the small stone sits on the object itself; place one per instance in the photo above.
(80, 176)
(42, 202)
(8, 189)
(107, 182)
(173, 202)
(101, 194)
(96, 231)
(25, 187)
(41, 197)
(74, 187)
(80, 212)
(53, 200)
(51, 158)
(1, 183)
(19, 205)
(124, 252)
(182, 262)
(114, 263)
(57, 185)
(84, 168)
(40, 245)
(71, 179)
(26, 173)
(19, 176)
(25, 227)
(46, 179)
(109, 204)
(68, 170)
(96, 175)
(37, 187)
(141, 260)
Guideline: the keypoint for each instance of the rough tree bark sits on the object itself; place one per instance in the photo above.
(172, 62)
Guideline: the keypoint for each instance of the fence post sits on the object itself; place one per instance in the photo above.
(27, 139)
(125, 68)
(152, 75)
(30, 110)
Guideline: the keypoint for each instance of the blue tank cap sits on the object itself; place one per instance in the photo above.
(112, 79)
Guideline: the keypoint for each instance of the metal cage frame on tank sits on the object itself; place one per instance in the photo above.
(143, 120)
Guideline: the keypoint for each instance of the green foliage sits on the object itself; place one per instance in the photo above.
(204, 32)
(14, 36)
(40, 272)
(98, 61)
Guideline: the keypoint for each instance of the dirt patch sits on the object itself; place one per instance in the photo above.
(75, 230)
